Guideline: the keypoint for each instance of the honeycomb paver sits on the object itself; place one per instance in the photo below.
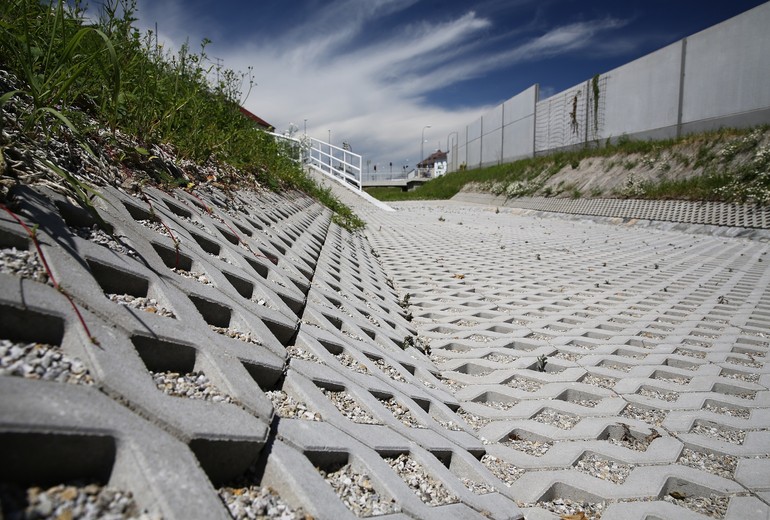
(457, 361)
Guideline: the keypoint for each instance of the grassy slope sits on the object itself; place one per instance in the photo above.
(727, 165)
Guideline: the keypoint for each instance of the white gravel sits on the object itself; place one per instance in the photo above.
(97, 236)
(250, 501)
(723, 433)
(23, 263)
(714, 506)
(350, 362)
(401, 413)
(604, 469)
(430, 490)
(68, 501)
(193, 275)
(193, 385)
(248, 337)
(358, 493)
(41, 361)
(523, 383)
(150, 305)
(562, 420)
(651, 416)
(349, 407)
(288, 407)
(721, 465)
(474, 421)
(505, 471)
(389, 370)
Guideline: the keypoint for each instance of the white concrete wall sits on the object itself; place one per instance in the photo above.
(644, 95)
(717, 77)
(727, 69)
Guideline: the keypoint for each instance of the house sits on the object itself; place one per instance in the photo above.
(434, 165)
(264, 125)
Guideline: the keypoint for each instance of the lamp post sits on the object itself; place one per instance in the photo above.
(449, 150)
(422, 147)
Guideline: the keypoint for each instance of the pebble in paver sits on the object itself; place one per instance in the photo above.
(714, 431)
(401, 413)
(523, 383)
(288, 407)
(193, 275)
(356, 491)
(73, 500)
(652, 416)
(530, 447)
(150, 305)
(601, 382)
(722, 465)
(193, 385)
(562, 420)
(505, 471)
(41, 361)
(245, 500)
(389, 370)
(349, 407)
(350, 362)
(480, 488)
(98, 236)
(732, 411)
(713, 505)
(300, 353)
(236, 334)
(430, 490)
(22, 263)
(605, 469)
(474, 421)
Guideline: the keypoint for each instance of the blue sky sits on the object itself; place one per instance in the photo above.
(376, 72)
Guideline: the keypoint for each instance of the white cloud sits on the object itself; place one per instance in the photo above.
(373, 96)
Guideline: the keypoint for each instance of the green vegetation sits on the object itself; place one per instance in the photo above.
(726, 165)
(77, 76)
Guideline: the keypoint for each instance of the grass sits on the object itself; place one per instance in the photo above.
(80, 75)
(725, 165)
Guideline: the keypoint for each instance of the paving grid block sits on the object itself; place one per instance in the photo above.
(206, 306)
(640, 307)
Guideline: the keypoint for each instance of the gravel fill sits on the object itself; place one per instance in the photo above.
(349, 407)
(300, 353)
(401, 413)
(534, 448)
(192, 275)
(248, 337)
(67, 501)
(155, 226)
(288, 407)
(567, 508)
(505, 471)
(453, 385)
(255, 502)
(430, 490)
(449, 425)
(742, 413)
(389, 370)
(499, 405)
(480, 488)
(522, 383)
(649, 415)
(601, 382)
(561, 420)
(714, 506)
(97, 236)
(350, 362)
(741, 376)
(717, 432)
(474, 421)
(357, 492)
(657, 394)
(499, 358)
(721, 465)
(41, 361)
(150, 305)
(604, 469)
(23, 263)
(193, 385)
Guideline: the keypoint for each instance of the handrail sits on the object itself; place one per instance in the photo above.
(326, 158)
(335, 162)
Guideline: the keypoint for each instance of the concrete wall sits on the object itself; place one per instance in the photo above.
(643, 96)
(716, 78)
(727, 71)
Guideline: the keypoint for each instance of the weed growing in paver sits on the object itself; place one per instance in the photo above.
(541, 362)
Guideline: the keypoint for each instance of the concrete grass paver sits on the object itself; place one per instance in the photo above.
(452, 361)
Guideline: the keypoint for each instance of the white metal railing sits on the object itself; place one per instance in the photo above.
(326, 158)
(334, 161)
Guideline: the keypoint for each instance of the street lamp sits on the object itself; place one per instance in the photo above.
(422, 146)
